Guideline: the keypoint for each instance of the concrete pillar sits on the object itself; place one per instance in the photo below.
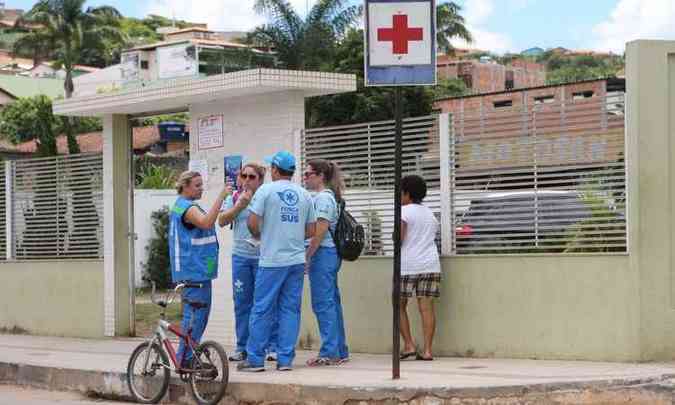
(650, 128)
(117, 211)
(255, 127)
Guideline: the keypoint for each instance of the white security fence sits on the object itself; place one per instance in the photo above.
(551, 179)
(365, 153)
(548, 179)
(53, 208)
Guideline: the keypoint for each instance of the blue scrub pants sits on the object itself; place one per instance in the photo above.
(326, 303)
(195, 318)
(280, 288)
(244, 270)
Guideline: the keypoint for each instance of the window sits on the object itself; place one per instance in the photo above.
(503, 104)
(144, 65)
(582, 95)
(544, 99)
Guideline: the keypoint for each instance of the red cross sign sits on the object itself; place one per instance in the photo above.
(400, 42)
(400, 34)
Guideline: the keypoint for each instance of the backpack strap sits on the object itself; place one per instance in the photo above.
(341, 209)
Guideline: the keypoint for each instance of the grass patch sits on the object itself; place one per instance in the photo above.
(147, 315)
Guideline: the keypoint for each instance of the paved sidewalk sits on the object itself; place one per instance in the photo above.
(99, 366)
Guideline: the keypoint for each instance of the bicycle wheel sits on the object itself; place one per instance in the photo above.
(209, 382)
(149, 381)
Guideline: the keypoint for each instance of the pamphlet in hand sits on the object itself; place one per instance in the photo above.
(232, 166)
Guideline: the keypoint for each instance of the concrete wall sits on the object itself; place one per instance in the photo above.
(650, 79)
(57, 298)
(551, 307)
(90, 83)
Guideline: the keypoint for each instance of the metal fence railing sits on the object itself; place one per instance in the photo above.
(551, 179)
(57, 208)
(548, 178)
(365, 153)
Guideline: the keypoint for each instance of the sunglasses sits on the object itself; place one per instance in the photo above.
(248, 176)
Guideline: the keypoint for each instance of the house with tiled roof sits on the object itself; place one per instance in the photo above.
(145, 138)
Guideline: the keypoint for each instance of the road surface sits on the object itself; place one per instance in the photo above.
(11, 394)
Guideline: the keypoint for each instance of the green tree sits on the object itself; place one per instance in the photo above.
(308, 43)
(32, 118)
(71, 32)
(449, 25)
(73, 36)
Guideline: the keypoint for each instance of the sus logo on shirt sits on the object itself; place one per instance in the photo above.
(289, 212)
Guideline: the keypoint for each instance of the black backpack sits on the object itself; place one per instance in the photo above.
(349, 236)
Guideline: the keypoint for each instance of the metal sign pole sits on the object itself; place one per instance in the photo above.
(396, 290)
(400, 50)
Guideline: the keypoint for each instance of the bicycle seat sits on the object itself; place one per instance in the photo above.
(195, 305)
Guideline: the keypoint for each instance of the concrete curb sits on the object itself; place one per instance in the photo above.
(112, 385)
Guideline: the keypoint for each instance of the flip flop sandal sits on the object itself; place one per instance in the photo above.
(408, 355)
(320, 361)
(420, 357)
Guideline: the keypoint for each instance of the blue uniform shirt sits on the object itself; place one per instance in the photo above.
(241, 233)
(285, 209)
(193, 251)
(326, 208)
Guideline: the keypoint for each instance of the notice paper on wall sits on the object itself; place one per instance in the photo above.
(202, 167)
(210, 132)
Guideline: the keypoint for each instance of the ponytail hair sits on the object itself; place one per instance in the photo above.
(332, 175)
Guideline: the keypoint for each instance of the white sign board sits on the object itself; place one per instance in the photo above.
(201, 167)
(131, 66)
(177, 61)
(210, 132)
(400, 42)
(399, 34)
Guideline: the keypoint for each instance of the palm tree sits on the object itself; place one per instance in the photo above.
(307, 43)
(450, 24)
(69, 32)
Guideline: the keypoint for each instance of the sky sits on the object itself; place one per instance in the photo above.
(497, 25)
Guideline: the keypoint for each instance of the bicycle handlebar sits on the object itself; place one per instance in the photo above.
(176, 289)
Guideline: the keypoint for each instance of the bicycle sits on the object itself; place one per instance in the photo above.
(207, 373)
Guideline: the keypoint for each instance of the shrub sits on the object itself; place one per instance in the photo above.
(156, 177)
(158, 267)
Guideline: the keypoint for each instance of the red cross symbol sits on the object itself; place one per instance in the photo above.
(400, 34)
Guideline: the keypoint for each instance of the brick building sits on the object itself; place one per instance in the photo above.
(531, 96)
(488, 76)
(574, 123)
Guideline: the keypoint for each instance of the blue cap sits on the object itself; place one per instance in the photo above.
(284, 160)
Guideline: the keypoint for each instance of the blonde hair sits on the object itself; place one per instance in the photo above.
(185, 179)
(258, 169)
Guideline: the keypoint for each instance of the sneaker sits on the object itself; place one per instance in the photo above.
(271, 356)
(238, 356)
(247, 367)
(284, 368)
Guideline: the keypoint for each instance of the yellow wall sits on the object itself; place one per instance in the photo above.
(59, 298)
(554, 307)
